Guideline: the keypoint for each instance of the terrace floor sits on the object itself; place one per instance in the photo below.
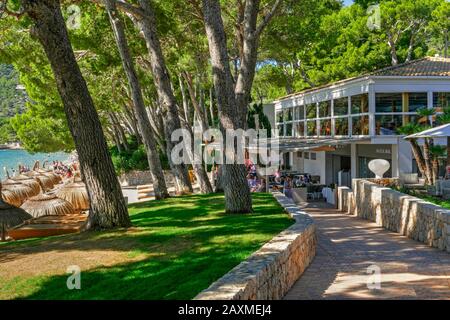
(348, 246)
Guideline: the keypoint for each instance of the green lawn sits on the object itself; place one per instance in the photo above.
(177, 248)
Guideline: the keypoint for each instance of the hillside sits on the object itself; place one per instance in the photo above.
(12, 101)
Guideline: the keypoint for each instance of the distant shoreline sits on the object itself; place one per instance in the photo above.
(11, 146)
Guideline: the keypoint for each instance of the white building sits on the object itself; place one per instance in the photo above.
(340, 127)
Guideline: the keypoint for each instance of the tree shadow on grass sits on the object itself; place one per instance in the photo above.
(191, 242)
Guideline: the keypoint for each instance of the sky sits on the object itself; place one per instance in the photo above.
(348, 2)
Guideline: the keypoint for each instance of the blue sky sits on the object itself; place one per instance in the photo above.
(347, 2)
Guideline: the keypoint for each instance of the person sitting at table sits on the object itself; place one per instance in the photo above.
(287, 186)
(261, 186)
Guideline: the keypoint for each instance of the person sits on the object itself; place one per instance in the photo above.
(287, 186)
(262, 186)
(278, 176)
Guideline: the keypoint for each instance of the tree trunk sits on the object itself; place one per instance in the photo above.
(200, 172)
(164, 89)
(237, 193)
(159, 184)
(200, 112)
(427, 159)
(133, 122)
(446, 44)
(218, 188)
(417, 153)
(435, 170)
(393, 48)
(120, 131)
(108, 208)
(211, 105)
(184, 98)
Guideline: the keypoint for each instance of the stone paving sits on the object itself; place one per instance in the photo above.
(348, 246)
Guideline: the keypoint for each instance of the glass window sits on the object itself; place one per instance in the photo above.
(360, 103)
(296, 113)
(388, 102)
(341, 126)
(301, 112)
(387, 124)
(288, 130)
(417, 101)
(306, 155)
(441, 101)
(313, 156)
(324, 109)
(325, 127)
(414, 118)
(288, 114)
(312, 128)
(311, 111)
(300, 129)
(279, 116)
(280, 130)
(341, 107)
(360, 126)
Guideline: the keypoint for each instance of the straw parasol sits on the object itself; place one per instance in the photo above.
(76, 194)
(46, 182)
(10, 216)
(11, 198)
(53, 176)
(47, 205)
(30, 182)
(19, 190)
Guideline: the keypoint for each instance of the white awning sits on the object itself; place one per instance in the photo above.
(292, 144)
(438, 132)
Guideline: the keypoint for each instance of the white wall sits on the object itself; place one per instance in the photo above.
(316, 167)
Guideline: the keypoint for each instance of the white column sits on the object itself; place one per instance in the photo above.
(405, 156)
(333, 133)
(372, 110)
(350, 119)
(394, 153)
(430, 103)
(353, 160)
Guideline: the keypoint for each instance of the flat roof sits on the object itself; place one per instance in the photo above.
(425, 67)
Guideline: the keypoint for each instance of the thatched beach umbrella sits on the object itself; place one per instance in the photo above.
(30, 182)
(47, 205)
(76, 194)
(11, 198)
(56, 178)
(10, 216)
(20, 190)
(45, 182)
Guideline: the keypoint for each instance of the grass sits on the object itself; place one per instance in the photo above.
(435, 200)
(176, 248)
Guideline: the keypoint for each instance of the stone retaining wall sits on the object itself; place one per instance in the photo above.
(395, 211)
(272, 270)
(138, 178)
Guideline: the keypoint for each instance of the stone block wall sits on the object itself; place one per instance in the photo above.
(138, 178)
(395, 211)
(272, 270)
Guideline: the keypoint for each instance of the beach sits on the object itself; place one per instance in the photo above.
(12, 158)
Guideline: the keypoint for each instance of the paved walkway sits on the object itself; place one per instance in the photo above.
(347, 246)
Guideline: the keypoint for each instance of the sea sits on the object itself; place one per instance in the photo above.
(12, 158)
